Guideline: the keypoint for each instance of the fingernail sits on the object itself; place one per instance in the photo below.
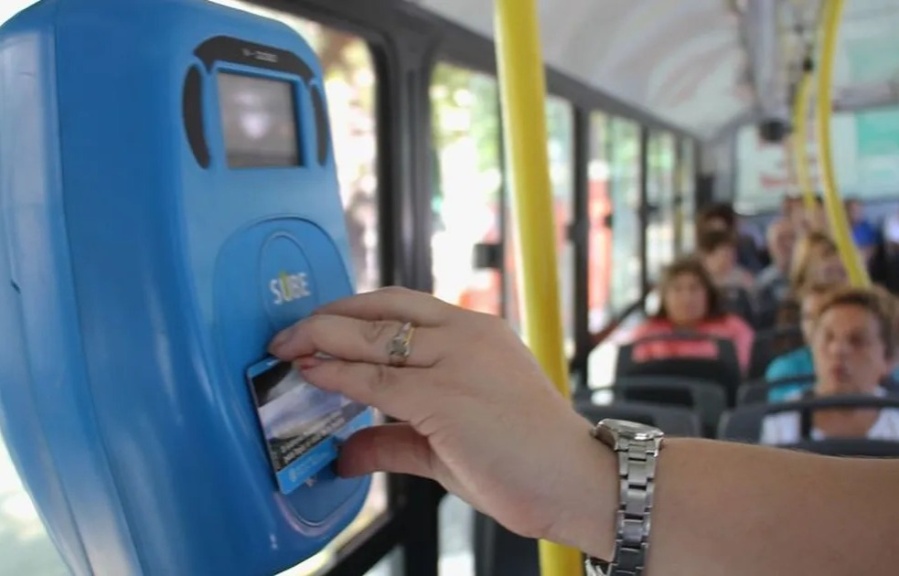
(280, 338)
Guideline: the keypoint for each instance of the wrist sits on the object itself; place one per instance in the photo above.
(589, 496)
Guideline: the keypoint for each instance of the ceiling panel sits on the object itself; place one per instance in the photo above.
(686, 60)
(683, 61)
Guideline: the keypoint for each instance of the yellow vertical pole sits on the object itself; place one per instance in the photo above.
(836, 213)
(523, 95)
(801, 162)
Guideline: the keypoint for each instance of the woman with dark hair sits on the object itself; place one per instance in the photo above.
(723, 218)
(718, 250)
(691, 302)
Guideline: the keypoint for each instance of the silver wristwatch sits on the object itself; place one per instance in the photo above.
(638, 447)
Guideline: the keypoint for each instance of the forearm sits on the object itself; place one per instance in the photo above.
(745, 510)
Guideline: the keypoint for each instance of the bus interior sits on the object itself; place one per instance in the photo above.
(672, 137)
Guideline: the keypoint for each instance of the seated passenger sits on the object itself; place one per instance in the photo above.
(891, 232)
(816, 261)
(789, 315)
(816, 220)
(690, 302)
(806, 221)
(798, 362)
(724, 218)
(864, 234)
(717, 251)
(853, 341)
(773, 283)
(791, 208)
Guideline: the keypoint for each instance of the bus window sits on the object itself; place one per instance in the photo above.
(615, 263)
(560, 126)
(456, 537)
(25, 546)
(660, 197)
(10, 8)
(467, 187)
(599, 209)
(390, 564)
(686, 188)
(624, 161)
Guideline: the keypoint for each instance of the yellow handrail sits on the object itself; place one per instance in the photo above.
(800, 142)
(523, 94)
(836, 212)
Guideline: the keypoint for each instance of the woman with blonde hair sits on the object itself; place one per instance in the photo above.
(816, 261)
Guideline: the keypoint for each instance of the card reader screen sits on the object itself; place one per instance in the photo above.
(259, 121)
(299, 421)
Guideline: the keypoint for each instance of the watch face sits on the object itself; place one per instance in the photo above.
(632, 429)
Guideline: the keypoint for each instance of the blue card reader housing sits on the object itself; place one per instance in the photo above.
(168, 201)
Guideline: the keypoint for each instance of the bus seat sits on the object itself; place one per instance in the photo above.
(744, 424)
(757, 391)
(849, 447)
(722, 368)
(737, 300)
(769, 344)
(765, 315)
(673, 420)
(706, 398)
(891, 385)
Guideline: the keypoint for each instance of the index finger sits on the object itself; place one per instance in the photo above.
(392, 303)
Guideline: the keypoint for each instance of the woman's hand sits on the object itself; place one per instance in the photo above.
(478, 414)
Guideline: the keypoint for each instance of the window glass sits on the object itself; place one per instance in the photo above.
(456, 537)
(625, 192)
(560, 127)
(660, 198)
(467, 188)
(615, 253)
(25, 547)
(389, 565)
(687, 202)
(9, 8)
(599, 207)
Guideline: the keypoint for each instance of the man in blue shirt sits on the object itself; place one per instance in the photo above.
(864, 234)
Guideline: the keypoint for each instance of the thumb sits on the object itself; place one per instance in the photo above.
(389, 448)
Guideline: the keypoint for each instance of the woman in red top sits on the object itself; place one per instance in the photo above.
(690, 302)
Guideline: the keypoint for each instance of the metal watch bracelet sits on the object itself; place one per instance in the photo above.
(636, 471)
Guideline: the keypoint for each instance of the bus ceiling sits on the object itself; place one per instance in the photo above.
(708, 67)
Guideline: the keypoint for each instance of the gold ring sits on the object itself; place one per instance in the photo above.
(401, 345)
